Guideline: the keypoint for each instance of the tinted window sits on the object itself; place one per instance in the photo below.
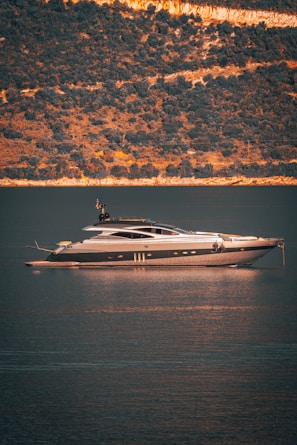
(131, 235)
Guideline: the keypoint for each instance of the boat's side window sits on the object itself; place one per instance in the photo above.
(168, 232)
(146, 229)
(131, 235)
(158, 230)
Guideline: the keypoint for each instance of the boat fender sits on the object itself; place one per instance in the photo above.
(215, 247)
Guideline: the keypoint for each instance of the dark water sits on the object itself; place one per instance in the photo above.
(139, 356)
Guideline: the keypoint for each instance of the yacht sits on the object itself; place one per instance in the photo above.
(133, 241)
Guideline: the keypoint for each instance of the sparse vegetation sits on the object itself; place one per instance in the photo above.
(91, 90)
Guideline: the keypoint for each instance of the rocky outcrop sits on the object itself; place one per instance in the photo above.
(210, 14)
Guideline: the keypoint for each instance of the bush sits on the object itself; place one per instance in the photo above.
(171, 170)
(203, 171)
(119, 171)
(134, 172)
(9, 133)
(185, 169)
(149, 171)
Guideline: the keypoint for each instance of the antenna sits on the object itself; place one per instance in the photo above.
(103, 216)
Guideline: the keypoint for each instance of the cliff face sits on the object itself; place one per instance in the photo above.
(211, 14)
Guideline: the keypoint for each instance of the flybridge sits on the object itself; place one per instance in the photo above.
(134, 219)
(105, 217)
(124, 219)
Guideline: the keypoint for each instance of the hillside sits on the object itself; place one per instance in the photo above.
(147, 89)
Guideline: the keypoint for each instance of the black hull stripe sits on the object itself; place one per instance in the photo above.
(99, 257)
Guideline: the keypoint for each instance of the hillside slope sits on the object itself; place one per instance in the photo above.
(146, 89)
(211, 13)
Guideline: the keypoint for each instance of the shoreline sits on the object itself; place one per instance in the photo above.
(153, 182)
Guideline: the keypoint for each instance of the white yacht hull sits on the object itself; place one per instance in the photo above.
(229, 254)
(141, 242)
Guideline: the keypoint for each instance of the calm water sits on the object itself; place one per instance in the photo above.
(139, 356)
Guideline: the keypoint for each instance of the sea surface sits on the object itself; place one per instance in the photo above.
(204, 356)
